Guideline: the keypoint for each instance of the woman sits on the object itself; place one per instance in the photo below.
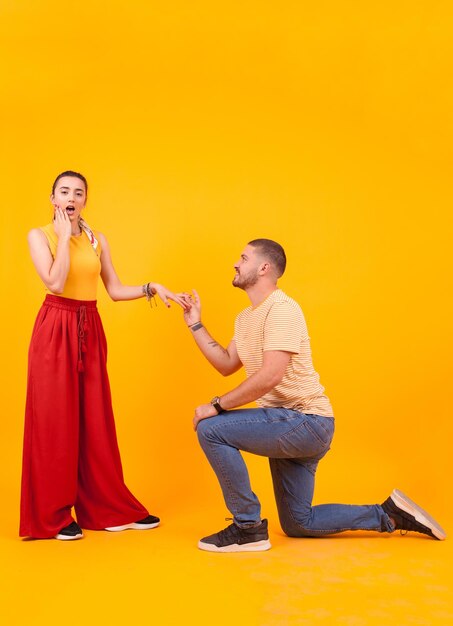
(71, 455)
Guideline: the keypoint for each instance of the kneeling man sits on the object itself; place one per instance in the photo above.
(293, 425)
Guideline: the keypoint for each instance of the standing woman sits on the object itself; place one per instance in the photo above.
(71, 456)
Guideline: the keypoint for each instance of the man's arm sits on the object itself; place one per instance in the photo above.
(266, 378)
(225, 360)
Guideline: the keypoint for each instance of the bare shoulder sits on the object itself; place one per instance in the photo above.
(36, 236)
(102, 238)
(39, 246)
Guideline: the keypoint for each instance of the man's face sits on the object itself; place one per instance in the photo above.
(247, 268)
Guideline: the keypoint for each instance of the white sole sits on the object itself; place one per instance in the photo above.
(256, 546)
(66, 538)
(133, 526)
(406, 504)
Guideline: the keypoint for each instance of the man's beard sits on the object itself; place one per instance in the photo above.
(243, 282)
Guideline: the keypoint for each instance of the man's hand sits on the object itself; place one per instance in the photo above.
(192, 314)
(202, 412)
(226, 361)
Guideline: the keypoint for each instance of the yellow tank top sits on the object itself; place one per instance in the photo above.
(85, 265)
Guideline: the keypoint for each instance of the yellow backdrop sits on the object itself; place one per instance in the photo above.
(200, 126)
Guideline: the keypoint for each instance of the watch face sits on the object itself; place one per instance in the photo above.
(216, 404)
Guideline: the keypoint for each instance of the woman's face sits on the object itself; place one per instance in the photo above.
(70, 195)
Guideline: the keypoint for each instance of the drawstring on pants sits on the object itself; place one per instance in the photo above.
(82, 327)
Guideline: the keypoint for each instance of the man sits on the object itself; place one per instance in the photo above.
(293, 425)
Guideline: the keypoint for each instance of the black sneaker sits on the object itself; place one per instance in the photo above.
(409, 516)
(69, 533)
(151, 521)
(235, 539)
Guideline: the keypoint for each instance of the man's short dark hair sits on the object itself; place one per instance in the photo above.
(273, 251)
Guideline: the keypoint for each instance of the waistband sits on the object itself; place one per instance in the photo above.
(68, 304)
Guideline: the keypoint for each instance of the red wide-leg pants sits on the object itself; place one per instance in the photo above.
(71, 455)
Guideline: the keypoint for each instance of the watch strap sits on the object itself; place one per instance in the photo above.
(216, 404)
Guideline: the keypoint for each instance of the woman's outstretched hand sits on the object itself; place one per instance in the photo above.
(166, 295)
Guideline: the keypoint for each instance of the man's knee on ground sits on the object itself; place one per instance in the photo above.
(293, 529)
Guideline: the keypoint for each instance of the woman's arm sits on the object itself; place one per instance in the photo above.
(53, 272)
(117, 291)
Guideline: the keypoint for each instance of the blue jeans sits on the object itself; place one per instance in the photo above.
(295, 443)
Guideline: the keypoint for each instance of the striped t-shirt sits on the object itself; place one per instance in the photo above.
(279, 324)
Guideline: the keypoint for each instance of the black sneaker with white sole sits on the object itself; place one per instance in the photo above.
(408, 516)
(236, 539)
(150, 521)
(69, 533)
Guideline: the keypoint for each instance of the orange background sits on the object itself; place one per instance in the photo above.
(326, 126)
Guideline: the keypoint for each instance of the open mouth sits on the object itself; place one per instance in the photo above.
(70, 210)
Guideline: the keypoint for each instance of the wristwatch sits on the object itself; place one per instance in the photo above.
(216, 404)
